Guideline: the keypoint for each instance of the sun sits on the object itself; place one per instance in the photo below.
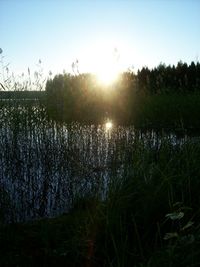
(107, 65)
(108, 125)
(102, 59)
(106, 75)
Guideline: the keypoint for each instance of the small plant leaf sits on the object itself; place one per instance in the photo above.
(175, 215)
(170, 235)
(188, 225)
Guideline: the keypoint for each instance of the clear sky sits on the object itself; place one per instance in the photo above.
(96, 32)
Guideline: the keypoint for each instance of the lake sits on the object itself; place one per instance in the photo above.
(45, 165)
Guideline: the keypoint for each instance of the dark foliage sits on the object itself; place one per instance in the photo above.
(82, 98)
(170, 79)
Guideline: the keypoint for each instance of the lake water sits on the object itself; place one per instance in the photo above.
(45, 165)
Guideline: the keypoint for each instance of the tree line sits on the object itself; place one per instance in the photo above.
(80, 97)
(170, 79)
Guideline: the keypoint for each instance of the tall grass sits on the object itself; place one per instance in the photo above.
(148, 214)
(152, 215)
(46, 166)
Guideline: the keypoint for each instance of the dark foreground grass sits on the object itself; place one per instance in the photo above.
(151, 217)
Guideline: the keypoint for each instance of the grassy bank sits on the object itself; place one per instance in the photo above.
(151, 217)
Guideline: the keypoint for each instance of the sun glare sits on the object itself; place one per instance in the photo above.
(103, 61)
(108, 125)
(106, 76)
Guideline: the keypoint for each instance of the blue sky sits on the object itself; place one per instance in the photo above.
(143, 32)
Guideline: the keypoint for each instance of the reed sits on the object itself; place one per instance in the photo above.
(131, 197)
